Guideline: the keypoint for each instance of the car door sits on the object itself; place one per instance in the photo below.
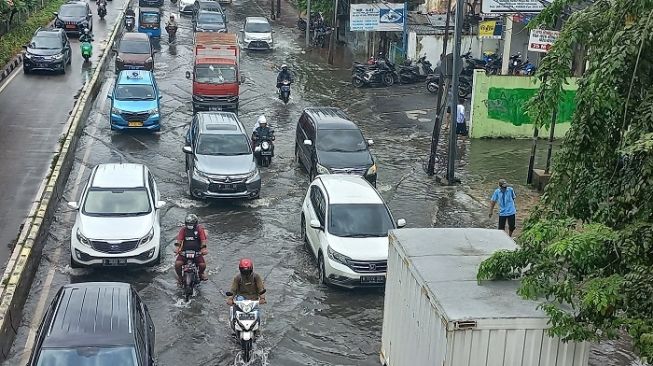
(150, 334)
(321, 212)
(154, 192)
(316, 212)
(311, 134)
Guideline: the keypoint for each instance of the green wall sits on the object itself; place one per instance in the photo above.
(498, 107)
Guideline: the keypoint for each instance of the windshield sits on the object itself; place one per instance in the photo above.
(255, 27)
(210, 17)
(359, 220)
(117, 202)
(72, 11)
(149, 18)
(341, 141)
(225, 144)
(88, 356)
(46, 43)
(134, 92)
(134, 47)
(215, 74)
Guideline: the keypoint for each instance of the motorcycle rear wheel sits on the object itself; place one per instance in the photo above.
(357, 82)
(246, 347)
(432, 87)
(188, 285)
(388, 79)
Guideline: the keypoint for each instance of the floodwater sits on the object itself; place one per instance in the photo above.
(305, 323)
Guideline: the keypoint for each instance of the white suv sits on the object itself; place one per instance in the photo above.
(117, 220)
(345, 225)
(257, 34)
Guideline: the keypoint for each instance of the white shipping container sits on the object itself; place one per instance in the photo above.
(436, 314)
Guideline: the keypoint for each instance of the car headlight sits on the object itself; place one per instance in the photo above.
(146, 239)
(153, 111)
(58, 57)
(119, 59)
(253, 174)
(28, 55)
(149, 60)
(371, 170)
(321, 169)
(82, 239)
(115, 110)
(337, 256)
(197, 175)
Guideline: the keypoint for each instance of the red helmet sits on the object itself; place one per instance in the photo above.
(246, 265)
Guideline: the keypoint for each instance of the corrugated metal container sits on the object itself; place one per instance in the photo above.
(436, 314)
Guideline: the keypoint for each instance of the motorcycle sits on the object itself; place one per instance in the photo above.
(190, 273)
(382, 73)
(432, 83)
(284, 91)
(412, 71)
(245, 321)
(87, 50)
(515, 63)
(130, 21)
(464, 85)
(264, 150)
(172, 32)
(316, 19)
(526, 69)
(102, 9)
(320, 36)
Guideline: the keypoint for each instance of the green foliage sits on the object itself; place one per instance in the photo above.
(587, 249)
(12, 42)
(324, 6)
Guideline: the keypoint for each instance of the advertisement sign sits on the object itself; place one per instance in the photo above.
(541, 40)
(490, 29)
(512, 6)
(380, 17)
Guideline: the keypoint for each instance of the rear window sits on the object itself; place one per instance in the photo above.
(139, 47)
(73, 10)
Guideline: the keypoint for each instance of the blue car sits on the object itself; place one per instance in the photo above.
(135, 101)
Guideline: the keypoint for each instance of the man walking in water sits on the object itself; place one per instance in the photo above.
(506, 197)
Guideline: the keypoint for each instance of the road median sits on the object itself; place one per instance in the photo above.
(19, 273)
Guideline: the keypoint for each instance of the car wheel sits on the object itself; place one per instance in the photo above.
(312, 174)
(322, 271)
(74, 264)
(302, 233)
(63, 70)
(297, 159)
(26, 70)
(190, 187)
(157, 261)
(70, 59)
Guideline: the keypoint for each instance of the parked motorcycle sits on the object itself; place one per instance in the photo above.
(245, 321)
(383, 72)
(526, 69)
(316, 20)
(102, 10)
(515, 64)
(284, 91)
(172, 32)
(87, 50)
(130, 21)
(264, 150)
(432, 83)
(190, 273)
(464, 82)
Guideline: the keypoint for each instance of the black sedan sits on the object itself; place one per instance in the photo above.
(74, 16)
(49, 50)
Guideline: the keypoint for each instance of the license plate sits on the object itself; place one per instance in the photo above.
(71, 26)
(372, 279)
(266, 153)
(215, 108)
(114, 262)
(285, 88)
(226, 187)
(41, 65)
(246, 316)
(135, 124)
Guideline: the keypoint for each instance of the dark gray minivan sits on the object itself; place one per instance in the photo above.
(95, 323)
(328, 142)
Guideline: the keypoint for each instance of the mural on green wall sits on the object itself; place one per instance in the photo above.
(507, 105)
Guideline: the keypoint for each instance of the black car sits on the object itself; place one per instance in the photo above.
(210, 21)
(328, 142)
(95, 323)
(74, 16)
(49, 50)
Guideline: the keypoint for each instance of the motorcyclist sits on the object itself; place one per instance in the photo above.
(247, 285)
(130, 11)
(101, 2)
(191, 237)
(262, 130)
(86, 36)
(284, 74)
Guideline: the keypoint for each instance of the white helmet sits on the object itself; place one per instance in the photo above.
(262, 120)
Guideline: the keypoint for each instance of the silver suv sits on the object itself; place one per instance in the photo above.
(219, 158)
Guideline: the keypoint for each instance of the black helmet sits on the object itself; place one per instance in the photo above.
(191, 221)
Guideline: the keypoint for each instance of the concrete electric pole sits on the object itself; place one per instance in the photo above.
(457, 68)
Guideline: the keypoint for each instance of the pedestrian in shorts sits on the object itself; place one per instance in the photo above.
(505, 196)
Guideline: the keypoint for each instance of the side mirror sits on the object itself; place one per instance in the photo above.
(401, 223)
(263, 292)
(160, 204)
(73, 205)
(370, 142)
(187, 74)
(315, 224)
(308, 142)
(242, 79)
(229, 293)
(56, 14)
(187, 149)
(160, 97)
(25, 46)
(109, 95)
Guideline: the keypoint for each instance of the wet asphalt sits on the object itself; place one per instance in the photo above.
(30, 136)
(305, 323)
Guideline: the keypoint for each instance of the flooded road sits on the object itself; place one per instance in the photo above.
(304, 323)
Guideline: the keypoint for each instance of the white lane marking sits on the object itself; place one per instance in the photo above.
(9, 80)
(56, 257)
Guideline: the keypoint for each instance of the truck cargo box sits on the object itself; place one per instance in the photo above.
(436, 313)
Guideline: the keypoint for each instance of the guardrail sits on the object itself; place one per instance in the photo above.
(19, 274)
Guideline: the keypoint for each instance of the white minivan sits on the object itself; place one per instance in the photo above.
(117, 221)
(257, 34)
(345, 224)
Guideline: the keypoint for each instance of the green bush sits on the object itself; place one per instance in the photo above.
(12, 42)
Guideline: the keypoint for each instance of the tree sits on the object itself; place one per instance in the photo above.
(589, 243)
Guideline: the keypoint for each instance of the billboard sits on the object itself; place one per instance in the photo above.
(379, 17)
(490, 29)
(541, 40)
(512, 6)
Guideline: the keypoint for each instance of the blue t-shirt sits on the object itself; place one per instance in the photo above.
(506, 200)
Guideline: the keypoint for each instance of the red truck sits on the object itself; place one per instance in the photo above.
(216, 72)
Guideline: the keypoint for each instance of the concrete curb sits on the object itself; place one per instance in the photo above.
(21, 268)
(11, 66)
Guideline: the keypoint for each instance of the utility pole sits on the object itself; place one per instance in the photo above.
(334, 34)
(278, 9)
(272, 12)
(451, 164)
(437, 126)
(308, 22)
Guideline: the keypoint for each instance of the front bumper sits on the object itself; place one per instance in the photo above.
(207, 189)
(141, 256)
(49, 65)
(259, 45)
(339, 274)
(118, 122)
(215, 103)
(76, 31)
